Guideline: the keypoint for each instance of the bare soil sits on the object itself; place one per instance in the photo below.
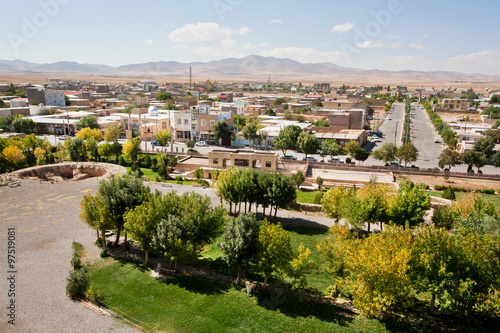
(475, 184)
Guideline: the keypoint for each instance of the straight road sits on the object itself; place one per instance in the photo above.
(423, 135)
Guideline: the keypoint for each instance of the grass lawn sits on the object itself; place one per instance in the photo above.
(307, 196)
(193, 304)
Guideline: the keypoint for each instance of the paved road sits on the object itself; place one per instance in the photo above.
(423, 135)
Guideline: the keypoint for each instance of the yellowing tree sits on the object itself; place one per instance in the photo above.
(87, 133)
(13, 154)
(112, 133)
(131, 148)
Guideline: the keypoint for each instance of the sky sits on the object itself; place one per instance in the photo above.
(457, 35)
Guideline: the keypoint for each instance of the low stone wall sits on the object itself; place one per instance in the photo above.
(69, 171)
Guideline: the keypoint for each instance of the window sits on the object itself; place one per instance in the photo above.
(179, 121)
(215, 161)
(203, 122)
(241, 162)
(212, 122)
(164, 125)
(268, 164)
(186, 122)
(179, 135)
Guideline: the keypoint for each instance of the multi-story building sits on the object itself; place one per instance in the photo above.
(322, 87)
(454, 103)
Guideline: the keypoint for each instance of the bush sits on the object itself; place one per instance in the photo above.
(104, 253)
(157, 179)
(147, 162)
(78, 283)
(443, 217)
(178, 178)
(76, 263)
(449, 193)
(92, 294)
(121, 161)
(423, 186)
(318, 197)
(487, 191)
(348, 160)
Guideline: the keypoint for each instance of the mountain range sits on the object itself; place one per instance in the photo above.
(248, 68)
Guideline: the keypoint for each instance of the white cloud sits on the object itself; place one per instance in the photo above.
(276, 21)
(264, 44)
(202, 32)
(395, 45)
(370, 44)
(249, 46)
(417, 46)
(227, 48)
(343, 27)
(148, 41)
(305, 55)
(479, 62)
(182, 47)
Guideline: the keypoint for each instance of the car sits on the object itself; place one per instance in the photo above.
(437, 141)
(310, 158)
(336, 160)
(201, 144)
(61, 138)
(389, 118)
(369, 118)
(288, 157)
(376, 139)
(394, 164)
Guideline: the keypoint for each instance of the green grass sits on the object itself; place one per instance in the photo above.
(307, 196)
(193, 304)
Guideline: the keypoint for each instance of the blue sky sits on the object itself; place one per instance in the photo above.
(370, 34)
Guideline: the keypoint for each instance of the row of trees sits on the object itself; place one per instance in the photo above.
(17, 153)
(479, 156)
(246, 186)
(385, 271)
(407, 153)
(374, 203)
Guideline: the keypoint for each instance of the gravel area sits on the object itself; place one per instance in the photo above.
(45, 217)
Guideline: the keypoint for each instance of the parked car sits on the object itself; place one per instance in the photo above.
(201, 144)
(389, 118)
(61, 138)
(437, 141)
(336, 160)
(394, 164)
(369, 118)
(288, 157)
(376, 139)
(310, 158)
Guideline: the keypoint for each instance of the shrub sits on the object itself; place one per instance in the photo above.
(92, 294)
(487, 191)
(76, 263)
(121, 161)
(318, 197)
(104, 253)
(157, 179)
(443, 217)
(348, 160)
(147, 162)
(449, 193)
(423, 186)
(78, 283)
(179, 178)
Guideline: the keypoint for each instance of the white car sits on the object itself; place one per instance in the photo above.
(201, 144)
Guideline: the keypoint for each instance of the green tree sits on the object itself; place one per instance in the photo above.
(23, 125)
(408, 206)
(274, 251)
(331, 148)
(112, 133)
(239, 242)
(352, 148)
(163, 138)
(495, 99)
(221, 130)
(163, 97)
(485, 146)
(201, 224)
(407, 153)
(449, 158)
(105, 151)
(386, 153)
(94, 213)
(474, 158)
(308, 143)
(298, 178)
(361, 155)
(287, 138)
(496, 159)
(169, 238)
(87, 121)
(493, 134)
(117, 148)
(119, 194)
(332, 201)
(76, 149)
(250, 131)
(132, 148)
(91, 146)
(300, 266)
(319, 182)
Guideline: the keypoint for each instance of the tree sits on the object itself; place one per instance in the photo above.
(86, 133)
(13, 155)
(474, 158)
(308, 143)
(298, 178)
(250, 131)
(112, 133)
(408, 206)
(87, 121)
(117, 148)
(319, 182)
(91, 146)
(449, 158)
(76, 149)
(169, 238)
(94, 213)
(287, 138)
(485, 146)
(448, 135)
(23, 125)
(331, 147)
(407, 153)
(163, 97)
(495, 99)
(239, 242)
(386, 153)
(352, 147)
(163, 138)
(361, 155)
(332, 200)
(105, 151)
(274, 251)
(221, 130)
(131, 148)
(493, 134)
(201, 224)
(119, 194)
(496, 159)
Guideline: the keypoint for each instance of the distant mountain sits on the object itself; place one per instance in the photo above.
(252, 67)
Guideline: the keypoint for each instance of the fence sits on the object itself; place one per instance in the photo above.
(136, 322)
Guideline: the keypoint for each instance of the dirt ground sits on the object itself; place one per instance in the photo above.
(475, 184)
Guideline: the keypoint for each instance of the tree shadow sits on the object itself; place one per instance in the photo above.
(198, 284)
(292, 304)
(306, 230)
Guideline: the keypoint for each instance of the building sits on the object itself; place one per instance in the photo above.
(36, 95)
(456, 103)
(322, 87)
(55, 98)
(221, 159)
